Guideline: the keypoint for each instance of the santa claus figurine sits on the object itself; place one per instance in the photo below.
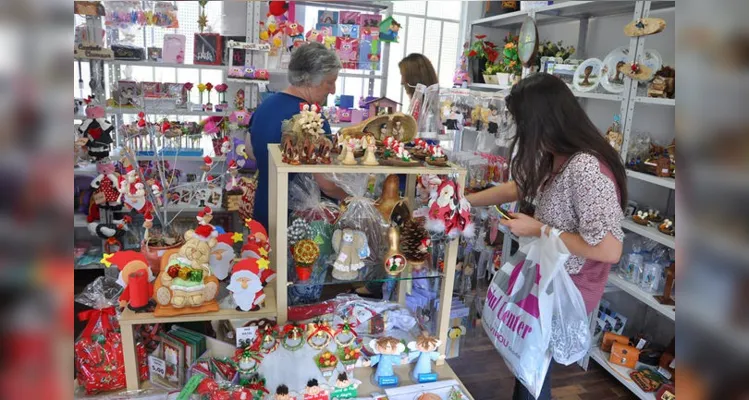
(253, 250)
(205, 216)
(135, 276)
(442, 209)
(222, 255)
(258, 234)
(245, 285)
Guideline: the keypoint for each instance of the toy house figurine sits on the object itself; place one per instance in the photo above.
(381, 105)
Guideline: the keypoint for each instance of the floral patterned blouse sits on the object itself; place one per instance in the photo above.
(583, 198)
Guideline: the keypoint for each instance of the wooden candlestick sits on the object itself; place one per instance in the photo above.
(668, 287)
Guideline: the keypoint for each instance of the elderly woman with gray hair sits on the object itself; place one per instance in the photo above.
(313, 71)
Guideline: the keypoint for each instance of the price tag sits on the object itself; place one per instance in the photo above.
(246, 333)
(641, 344)
(157, 366)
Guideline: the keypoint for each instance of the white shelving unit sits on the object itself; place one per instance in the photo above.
(620, 373)
(583, 11)
(643, 296)
(157, 111)
(656, 180)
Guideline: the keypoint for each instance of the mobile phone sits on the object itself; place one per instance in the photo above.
(502, 213)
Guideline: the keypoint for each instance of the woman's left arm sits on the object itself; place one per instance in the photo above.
(608, 250)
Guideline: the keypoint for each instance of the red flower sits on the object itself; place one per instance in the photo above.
(491, 44)
(472, 53)
(480, 36)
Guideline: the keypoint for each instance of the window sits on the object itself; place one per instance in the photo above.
(431, 28)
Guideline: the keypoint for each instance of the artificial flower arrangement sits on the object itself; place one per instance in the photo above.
(327, 362)
(482, 49)
(510, 62)
(550, 49)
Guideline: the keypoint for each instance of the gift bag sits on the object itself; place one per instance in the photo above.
(99, 363)
(518, 309)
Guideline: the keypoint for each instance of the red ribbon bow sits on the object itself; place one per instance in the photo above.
(321, 327)
(257, 386)
(346, 327)
(92, 316)
(292, 327)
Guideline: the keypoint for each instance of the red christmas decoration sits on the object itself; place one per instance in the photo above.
(277, 8)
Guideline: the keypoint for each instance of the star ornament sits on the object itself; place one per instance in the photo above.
(105, 260)
(237, 237)
(263, 252)
(262, 264)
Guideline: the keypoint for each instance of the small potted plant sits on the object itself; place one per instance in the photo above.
(478, 57)
(490, 73)
(510, 64)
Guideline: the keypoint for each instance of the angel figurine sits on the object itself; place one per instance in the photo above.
(352, 249)
(424, 351)
(388, 353)
(398, 131)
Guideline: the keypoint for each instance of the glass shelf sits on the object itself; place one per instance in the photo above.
(366, 275)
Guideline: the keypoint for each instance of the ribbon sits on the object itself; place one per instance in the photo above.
(292, 328)
(92, 316)
(248, 352)
(346, 327)
(320, 327)
(257, 386)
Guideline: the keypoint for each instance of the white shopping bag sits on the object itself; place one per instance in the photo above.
(517, 314)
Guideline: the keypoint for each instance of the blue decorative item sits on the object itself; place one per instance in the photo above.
(389, 30)
(388, 352)
(424, 351)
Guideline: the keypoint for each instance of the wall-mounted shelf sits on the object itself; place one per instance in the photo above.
(655, 100)
(656, 180)
(650, 233)
(643, 296)
(157, 111)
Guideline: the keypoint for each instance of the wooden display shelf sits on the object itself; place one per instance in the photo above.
(278, 193)
(367, 388)
(129, 319)
(620, 373)
(275, 156)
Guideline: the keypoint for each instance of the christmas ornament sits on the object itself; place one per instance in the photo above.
(292, 338)
(305, 254)
(138, 292)
(387, 352)
(415, 241)
(222, 255)
(424, 351)
(326, 362)
(319, 334)
(299, 230)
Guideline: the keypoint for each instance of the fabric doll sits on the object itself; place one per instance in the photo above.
(388, 353)
(493, 120)
(98, 132)
(352, 249)
(105, 185)
(442, 208)
(424, 351)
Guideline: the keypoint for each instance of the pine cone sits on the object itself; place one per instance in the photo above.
(411, 236)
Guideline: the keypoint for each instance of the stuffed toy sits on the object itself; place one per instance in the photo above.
(106, 190)
(258, 234)
(352, 249)
(442, 208)
(424, 351)
(252, 250)
(245, 285)
(98, 132)
(388, 352)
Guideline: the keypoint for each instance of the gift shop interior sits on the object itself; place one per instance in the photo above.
(334, 200)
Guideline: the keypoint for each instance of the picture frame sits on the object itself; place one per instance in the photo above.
(128, 93)
(154, 54)
(565, 72)
(174, 49)
(207, 49)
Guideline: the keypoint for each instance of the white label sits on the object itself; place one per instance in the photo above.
(664, 372)
(246, 333)
(157, 366)
(673, 364)
(641, 344)
(664, 170)
(342, 257)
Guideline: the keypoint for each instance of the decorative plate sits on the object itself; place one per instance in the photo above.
(653, 60)
(611, 79)
(528, 41)
(588, 75)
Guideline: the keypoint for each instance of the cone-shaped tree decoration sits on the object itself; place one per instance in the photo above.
(413, 237)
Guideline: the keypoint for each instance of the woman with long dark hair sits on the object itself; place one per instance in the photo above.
(565, 176)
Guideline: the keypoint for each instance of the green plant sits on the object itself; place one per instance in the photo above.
(481, 48)
(492, 69)
(510, 62)
(551, 49)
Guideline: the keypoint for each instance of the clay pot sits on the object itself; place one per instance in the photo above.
(303, 273)
(154, 254)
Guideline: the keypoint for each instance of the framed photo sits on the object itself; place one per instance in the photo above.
(208, 49)
(631, 209)
(154, 54)
(174, 49)
(151, 89)
(565, 72)
(185, 195)
(127, 93)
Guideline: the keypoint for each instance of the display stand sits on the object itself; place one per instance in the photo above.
(278, 174)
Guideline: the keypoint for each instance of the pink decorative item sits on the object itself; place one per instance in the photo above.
(348, 51)
(344, 115)
(357, 116)
(174, 49)
(315, 36)
(262, 74)
(236, 72)
(241, 118)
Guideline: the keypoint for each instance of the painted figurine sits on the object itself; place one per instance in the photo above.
(282, 393)
(388, 353)
(424, 351)
(313, 391)
(246, 287)
(398, 130)
(348, 158)
(345, 388)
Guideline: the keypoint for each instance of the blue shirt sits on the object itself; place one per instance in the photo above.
(265, 128)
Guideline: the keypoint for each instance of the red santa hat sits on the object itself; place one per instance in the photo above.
(225, 238)
(202, 214)
(129, 168)
(255, 228)
(205, 232)
(250, 250)
(232, 165)
(245, 266)
(156, 187)
(208, 160)
(148, 216)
